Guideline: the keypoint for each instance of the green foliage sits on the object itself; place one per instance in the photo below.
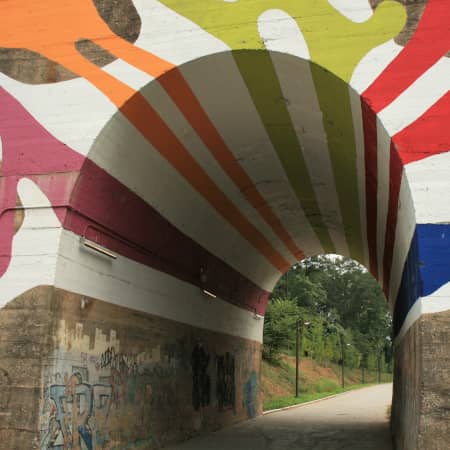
(345, 308)
(279, 326)
(325, 385)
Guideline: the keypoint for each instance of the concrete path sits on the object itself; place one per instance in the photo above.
(355, 420)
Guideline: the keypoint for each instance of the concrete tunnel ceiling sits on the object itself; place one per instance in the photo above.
(228, 141)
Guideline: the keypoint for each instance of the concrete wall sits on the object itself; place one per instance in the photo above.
(27, 333)
(420, 415)
(82, 373)
(209, 155)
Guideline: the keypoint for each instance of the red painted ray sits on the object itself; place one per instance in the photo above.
(428, 135)
(430, 42)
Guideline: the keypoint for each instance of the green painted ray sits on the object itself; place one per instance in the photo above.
(337, 45)
(334, 100)
(259, 74)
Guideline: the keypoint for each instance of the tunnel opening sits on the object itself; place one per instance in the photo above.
(330, 313)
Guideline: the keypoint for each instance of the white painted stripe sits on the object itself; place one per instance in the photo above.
(129, 284)
(224, 96)
(429, 182)
(406, 224)
(418, 98)
(35, 245)
(303, 106)
(126, 155)
(383, 157)
(373, 64)
(356, 10)
(58, 106)
(282, 35)
(188, 43)
(280, 32)
(355, 102)
(438, 302)
(169, 112)
(128, 74)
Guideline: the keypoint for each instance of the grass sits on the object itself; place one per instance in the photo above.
(282, 402)
(316, 381)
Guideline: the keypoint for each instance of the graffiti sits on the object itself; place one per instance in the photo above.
(117, 361)
(76, 408)
(201, 383)
(225, 389)
(251, 394)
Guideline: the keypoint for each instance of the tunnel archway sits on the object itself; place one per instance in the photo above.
(195, 181)
(174, 225)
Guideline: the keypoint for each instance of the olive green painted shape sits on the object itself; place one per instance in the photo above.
(334, 100)
(334, 41)
(335, 44)
(260, 77)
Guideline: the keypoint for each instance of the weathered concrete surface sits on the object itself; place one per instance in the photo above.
(144, 381)
(26, 340)
(421, 413)
(353, 421)
(434, 431)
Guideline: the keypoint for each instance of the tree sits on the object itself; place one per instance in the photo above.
(337, 292)
(279, 326)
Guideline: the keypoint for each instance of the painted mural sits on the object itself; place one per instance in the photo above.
(209, 145)
(94, 392)
(102, 391)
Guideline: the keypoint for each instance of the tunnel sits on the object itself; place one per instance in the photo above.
(163, 163)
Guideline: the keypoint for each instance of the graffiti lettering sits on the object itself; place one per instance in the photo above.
(225, 388)
(201, 383)
(250, 395)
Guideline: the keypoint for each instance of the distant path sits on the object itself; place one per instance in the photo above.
(355, 420)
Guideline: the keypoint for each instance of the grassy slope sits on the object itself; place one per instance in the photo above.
(316, 381)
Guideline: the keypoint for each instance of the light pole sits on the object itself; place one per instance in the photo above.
(297, 350)
(363, 358)
(341, 338)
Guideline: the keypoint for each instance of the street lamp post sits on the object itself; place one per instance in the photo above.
(342, 360)
(299, 327)
(297, 354)
(343, 345)
(362, 368)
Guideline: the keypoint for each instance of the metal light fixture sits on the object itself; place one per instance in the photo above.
(256, 316)
(98, 248)
(210, 294)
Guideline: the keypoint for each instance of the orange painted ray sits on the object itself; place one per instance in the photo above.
(44, 28)
(183, 96)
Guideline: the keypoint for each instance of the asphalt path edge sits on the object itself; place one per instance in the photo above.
(329, 397)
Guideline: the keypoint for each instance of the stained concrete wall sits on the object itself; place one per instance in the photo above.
(82, 373)
(421, 403)
(27, 330)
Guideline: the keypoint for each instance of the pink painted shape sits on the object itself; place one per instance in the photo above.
(30, 150)
(95, 198)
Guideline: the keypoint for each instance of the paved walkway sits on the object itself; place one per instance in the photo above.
(355, 420)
